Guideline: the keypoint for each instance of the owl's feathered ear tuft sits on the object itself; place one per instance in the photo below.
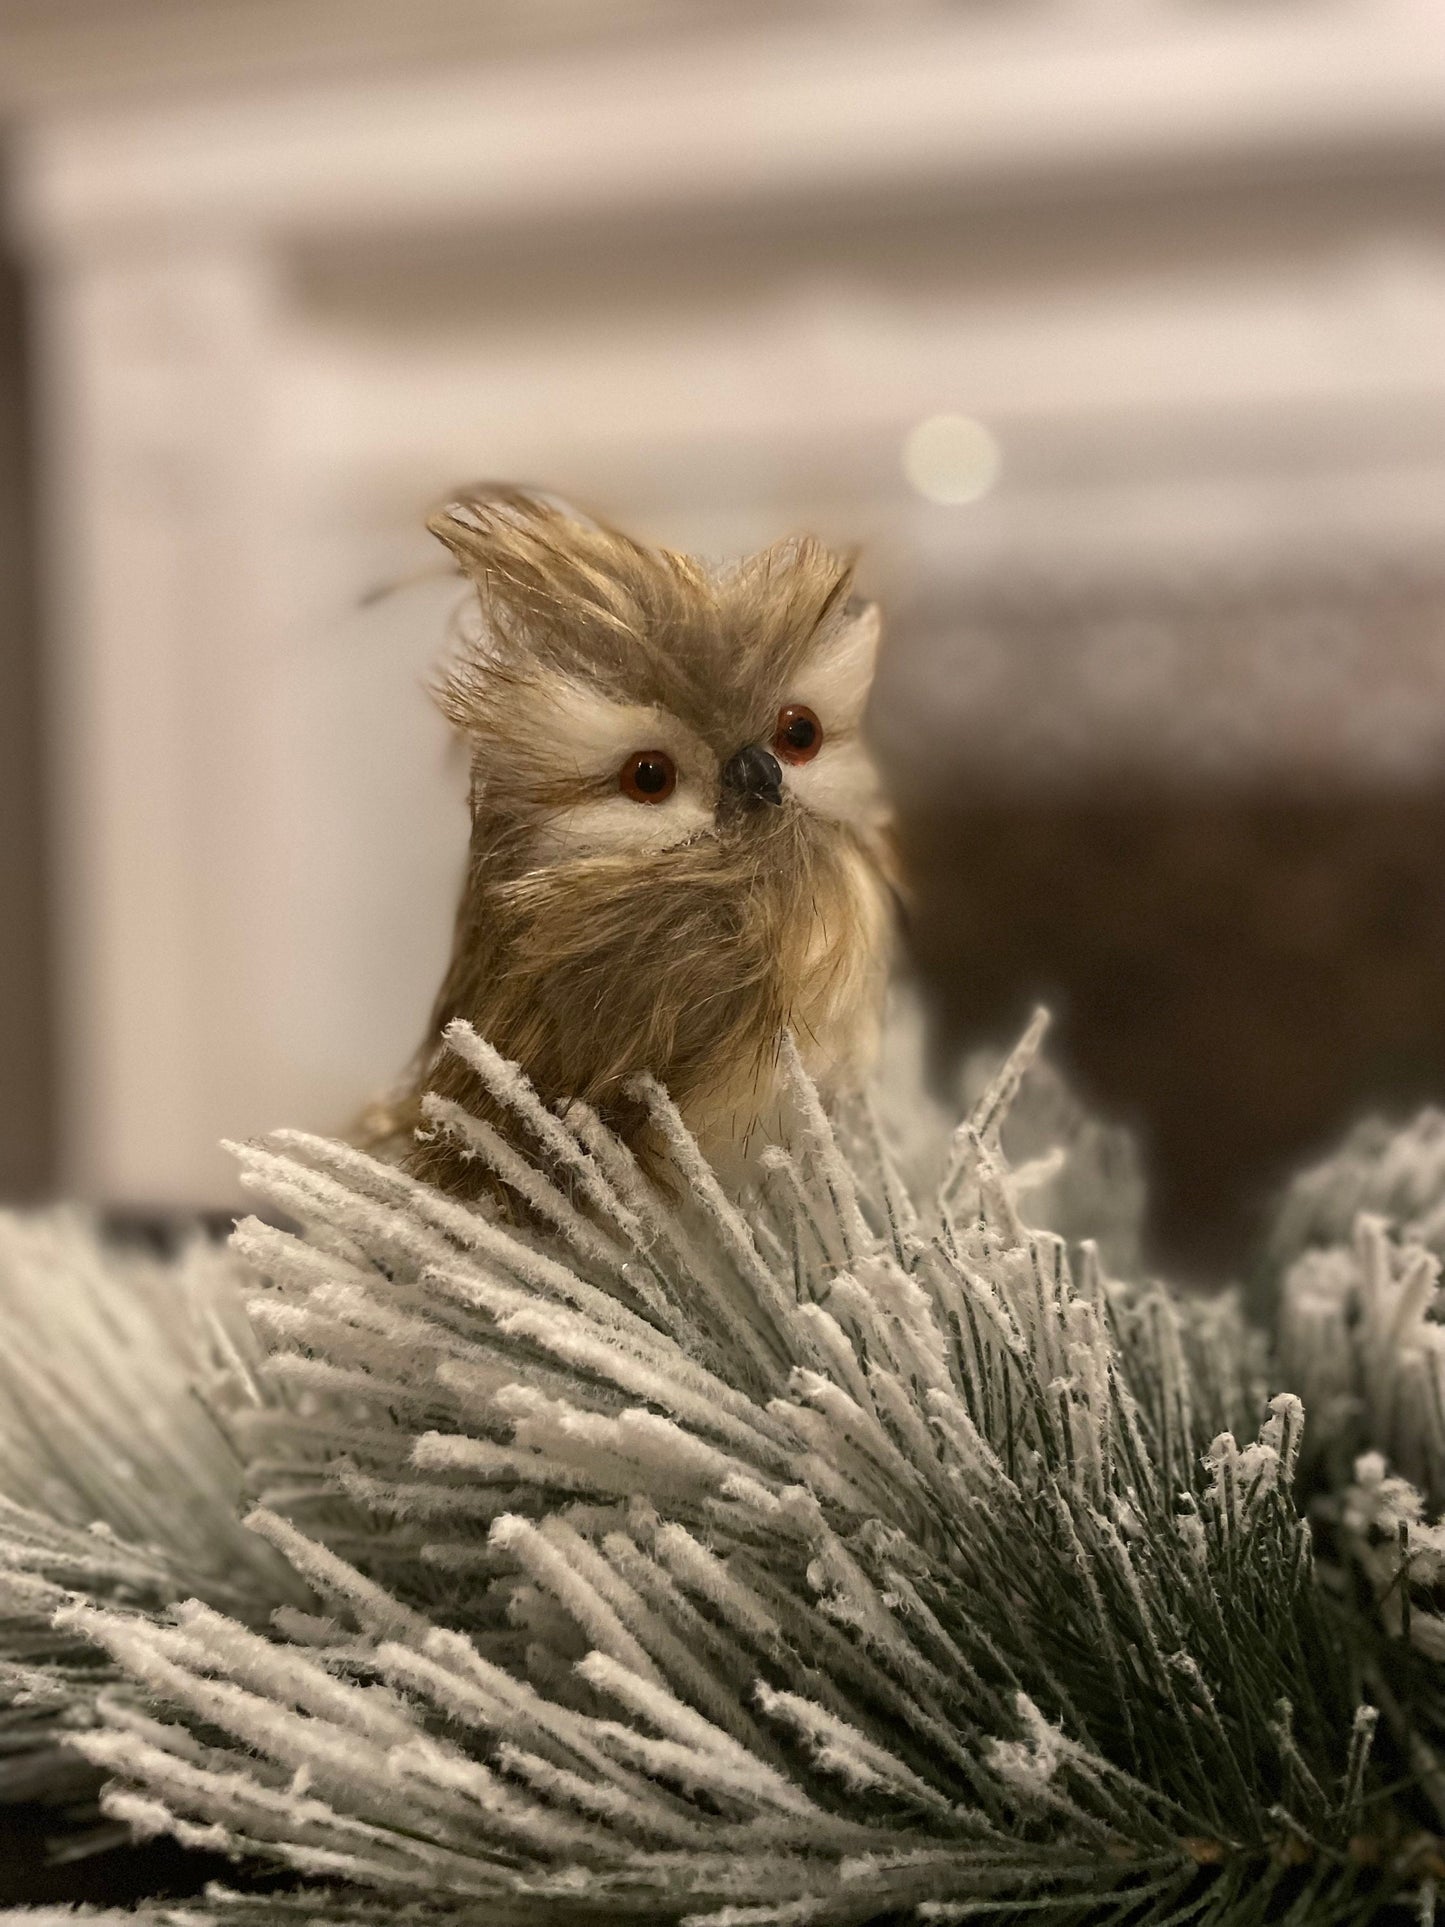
(837, 674)
(780, 602)
(548, 568)
(561, 590)
(485, 521)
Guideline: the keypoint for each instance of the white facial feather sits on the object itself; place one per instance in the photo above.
(617, 825)
(835, 680)
(569, 734)
(840, 783)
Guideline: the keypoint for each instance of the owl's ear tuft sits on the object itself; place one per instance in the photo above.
(837, 674)
(485, 521)
(546, 568)
(512, 545)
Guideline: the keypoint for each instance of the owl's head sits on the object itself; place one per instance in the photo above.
(623, 701)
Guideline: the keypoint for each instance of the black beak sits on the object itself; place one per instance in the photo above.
(754, 775)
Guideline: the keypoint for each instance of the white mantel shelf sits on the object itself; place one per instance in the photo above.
(1064, 97)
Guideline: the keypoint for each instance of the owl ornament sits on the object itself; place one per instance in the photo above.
(680, 849)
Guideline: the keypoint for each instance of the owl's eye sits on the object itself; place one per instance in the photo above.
(799, 734)
(648, 776)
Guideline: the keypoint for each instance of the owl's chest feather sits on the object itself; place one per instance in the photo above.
(825, 984)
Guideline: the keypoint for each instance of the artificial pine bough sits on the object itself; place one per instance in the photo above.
(825, 1554)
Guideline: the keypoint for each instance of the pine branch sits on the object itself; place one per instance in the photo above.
(839, 1552)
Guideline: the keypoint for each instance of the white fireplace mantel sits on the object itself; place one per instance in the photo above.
(245, 406)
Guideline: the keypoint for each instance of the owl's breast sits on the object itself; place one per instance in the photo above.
(823, 978)
(687, 968)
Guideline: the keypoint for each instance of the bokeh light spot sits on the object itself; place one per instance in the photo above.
(952, 458)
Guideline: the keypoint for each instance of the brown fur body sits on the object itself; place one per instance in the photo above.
(597, 938)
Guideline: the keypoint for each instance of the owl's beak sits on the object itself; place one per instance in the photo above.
(754, 775)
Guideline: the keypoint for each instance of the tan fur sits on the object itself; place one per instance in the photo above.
(597, 938)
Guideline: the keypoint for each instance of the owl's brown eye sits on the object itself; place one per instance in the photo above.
(650, 776)
(799, 735)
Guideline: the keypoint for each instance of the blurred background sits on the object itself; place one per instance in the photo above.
(1113, 329)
